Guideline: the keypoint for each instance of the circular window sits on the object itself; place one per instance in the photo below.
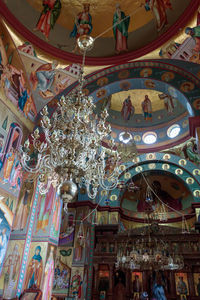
(173, 131)
(149, 138)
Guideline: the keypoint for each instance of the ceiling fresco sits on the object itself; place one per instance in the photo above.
(143, 26)
(169, 188)
(127, 108)
(158, 76)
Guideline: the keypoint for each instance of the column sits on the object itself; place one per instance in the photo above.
(27, 245)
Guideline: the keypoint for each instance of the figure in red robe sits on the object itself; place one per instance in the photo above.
(48, 17)
(127, 109)
(159, 7)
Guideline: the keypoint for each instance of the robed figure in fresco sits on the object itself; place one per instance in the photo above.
(8, 164)
(11, 269)
(120, 30)
(127, 109)
(34, 271)
(83, 24)
(76, 283)
(43, 79)
(48, 277)
(44, 210)
(23, 206)
(48, 17)
(147, 108)
(159, 8)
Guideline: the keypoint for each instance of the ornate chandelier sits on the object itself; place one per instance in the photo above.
(149, 253)
(72, 153)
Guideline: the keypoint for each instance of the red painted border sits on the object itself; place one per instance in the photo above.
(99, 61)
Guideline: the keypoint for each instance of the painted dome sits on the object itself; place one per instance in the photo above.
(55, 26)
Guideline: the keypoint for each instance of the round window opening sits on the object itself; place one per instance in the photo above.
(149, 138)
(173, 131)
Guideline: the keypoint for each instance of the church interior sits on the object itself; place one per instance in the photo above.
(99, 149)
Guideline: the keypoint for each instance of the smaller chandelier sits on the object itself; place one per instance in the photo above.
(148, 253)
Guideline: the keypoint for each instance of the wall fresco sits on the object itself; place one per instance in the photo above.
(9, 276)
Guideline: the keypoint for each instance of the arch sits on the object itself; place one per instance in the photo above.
(155, 74)
(130, 169)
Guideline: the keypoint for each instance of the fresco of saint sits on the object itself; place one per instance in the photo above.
(9, 161)
(44, 210)
(120, 30)
(159, 8)
(11, 269)
(49, 15)
(147, 108)
(34, 271)
(169, 102)
(48, 277)
(23, 207)
(13, 81)
(76, 282)
(43, 79)
(83, 24)
(127, 109)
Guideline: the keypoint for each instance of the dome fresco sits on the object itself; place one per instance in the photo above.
(144, 27)
(131, 115)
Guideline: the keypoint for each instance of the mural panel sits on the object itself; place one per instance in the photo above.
(44, 212)
(76, 282)
(56, 219)
(36, 264)
(23, 207)
(7, 211)
(48, 273)
(14, 84)
(67, 229)
(46, 78)
(11, 135)
(9, 276)
(62, 273)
